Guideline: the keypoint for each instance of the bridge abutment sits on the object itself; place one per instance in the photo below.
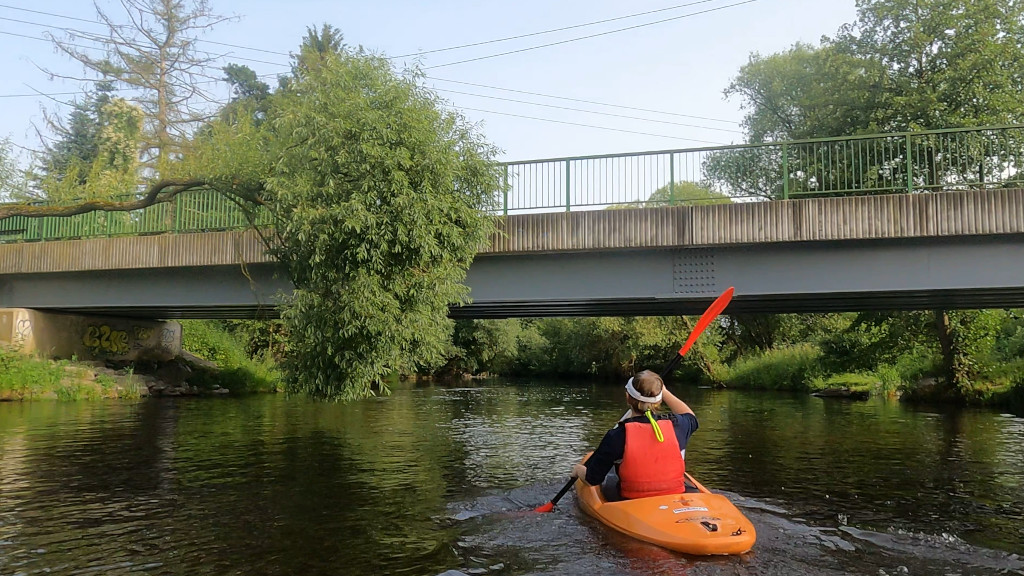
(60, 335)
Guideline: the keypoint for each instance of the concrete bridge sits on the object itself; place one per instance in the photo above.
(962, 249)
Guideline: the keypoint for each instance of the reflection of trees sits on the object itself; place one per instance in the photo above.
(823, 457)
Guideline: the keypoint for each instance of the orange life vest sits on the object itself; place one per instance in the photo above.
(649, 467)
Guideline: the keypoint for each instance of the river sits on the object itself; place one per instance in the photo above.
(442, 478)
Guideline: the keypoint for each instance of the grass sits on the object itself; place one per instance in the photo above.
(25, 377)
(210, 340)
(783, 368)
(849, 380)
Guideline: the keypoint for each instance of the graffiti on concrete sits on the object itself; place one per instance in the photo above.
(142, 335)
(103, 339)
(167, 337)
(22, 331)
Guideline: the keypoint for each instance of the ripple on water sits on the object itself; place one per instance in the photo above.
(436, 479)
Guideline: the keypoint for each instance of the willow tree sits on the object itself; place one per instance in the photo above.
(379, 192)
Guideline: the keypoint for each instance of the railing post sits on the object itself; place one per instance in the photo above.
(504, 193)
(785, 171)
(671, 178)
(910, 169)
(568, 191)
(177, 214)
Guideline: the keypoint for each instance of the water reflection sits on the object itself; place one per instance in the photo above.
(438, 478)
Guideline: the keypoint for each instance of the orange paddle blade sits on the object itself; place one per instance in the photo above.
(545, 507)
(713, 311)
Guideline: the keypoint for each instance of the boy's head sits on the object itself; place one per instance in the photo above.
(643, 391)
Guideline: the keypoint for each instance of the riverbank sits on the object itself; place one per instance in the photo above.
(803, 367)
(24, 377)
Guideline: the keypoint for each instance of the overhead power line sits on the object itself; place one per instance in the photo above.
(90, 36)
(596, 103)
(577, 39)
(590, 111)
(590, 126)
(76, 19)
(551, 31)
(627, 16)
(94, 37)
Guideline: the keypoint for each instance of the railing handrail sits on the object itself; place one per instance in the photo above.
(923, 160)
(771, 143)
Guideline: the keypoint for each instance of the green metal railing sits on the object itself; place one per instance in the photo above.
(199, 211)
(955, 159)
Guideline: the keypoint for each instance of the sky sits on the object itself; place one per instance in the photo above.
(678, 69)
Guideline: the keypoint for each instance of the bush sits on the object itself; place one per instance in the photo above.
(850, 380)
(23, 377)
(890, 381)
(211, 340)
(783, 368)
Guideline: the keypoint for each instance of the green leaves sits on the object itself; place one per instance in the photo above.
(378, 192)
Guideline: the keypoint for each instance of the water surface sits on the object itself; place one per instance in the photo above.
(439, 478)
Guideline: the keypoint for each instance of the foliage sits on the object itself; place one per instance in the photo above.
(850, 380)
(378, 193)
(250, 96)
(483, 346)
(681, 193)
(154, 50)
(24, 377)
(238, 371)
(13, 177)
(875, 338)
(608, 348)
(784, 368)
(98, 158)
(778, 91)
(942, 63)
(264, 338)
(972, 334)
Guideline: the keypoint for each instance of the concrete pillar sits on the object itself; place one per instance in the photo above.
(88, 337)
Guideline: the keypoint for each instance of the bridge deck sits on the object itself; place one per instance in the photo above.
(891, 217)
(955, 250)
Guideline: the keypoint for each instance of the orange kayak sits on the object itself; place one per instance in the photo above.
(696, 522)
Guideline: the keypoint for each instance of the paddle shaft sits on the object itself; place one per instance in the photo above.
(710, 314)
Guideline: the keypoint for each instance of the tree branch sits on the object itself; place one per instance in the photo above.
(161, 191)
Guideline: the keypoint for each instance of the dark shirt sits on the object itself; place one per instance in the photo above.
(613, 445)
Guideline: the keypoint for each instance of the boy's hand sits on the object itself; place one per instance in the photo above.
(579, 471)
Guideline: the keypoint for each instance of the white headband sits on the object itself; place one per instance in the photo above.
(638, 396)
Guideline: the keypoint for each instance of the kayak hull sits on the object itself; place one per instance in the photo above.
(697, 522)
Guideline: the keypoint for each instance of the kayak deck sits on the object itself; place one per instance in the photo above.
(697, 522)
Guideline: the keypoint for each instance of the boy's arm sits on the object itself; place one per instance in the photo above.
(673, 403)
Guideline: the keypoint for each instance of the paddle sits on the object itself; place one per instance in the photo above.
(705, 319)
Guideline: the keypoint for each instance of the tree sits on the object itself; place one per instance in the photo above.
(902, 65)
(690, 193)
(943, 63)
(154, 52)
(77, 138)
(378, 193)
(483, 346)
(249, 94)
(97, 158)
(13, 179)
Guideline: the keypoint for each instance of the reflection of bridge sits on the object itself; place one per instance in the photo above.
(957, 249)
(557, 254)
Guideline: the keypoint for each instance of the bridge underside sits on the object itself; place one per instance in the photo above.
(927, 273)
